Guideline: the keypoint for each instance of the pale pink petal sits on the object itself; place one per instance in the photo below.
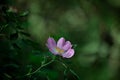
(53, 51)
(67, 45)
(61, 42)
(51, 43)
(68, 54)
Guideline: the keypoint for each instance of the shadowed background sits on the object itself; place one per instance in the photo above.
(92, 26)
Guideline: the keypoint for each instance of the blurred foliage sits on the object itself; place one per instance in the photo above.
(91, 25)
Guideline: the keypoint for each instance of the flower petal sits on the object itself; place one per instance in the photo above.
(68, 54)
(61, 42)
(67, 45)
(53, 51)
(51, 43)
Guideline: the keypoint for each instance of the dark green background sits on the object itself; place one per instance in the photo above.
(92, 26)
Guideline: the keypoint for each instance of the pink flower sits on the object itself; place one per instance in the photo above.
(62, 47)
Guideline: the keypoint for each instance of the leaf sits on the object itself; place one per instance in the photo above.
(25, 13)
(24, 33)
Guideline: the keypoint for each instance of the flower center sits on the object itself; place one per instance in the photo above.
(60, 51)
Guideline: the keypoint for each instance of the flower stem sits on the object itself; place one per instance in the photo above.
(72, 71)
(62, 63)
(42, 65)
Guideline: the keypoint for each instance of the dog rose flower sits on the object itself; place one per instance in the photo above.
(61, 47)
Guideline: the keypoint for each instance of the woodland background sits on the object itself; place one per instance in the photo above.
(93, 27)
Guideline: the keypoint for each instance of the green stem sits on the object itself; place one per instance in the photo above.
(69, 69)
(43, 65)
(62, 63)
(74, 74)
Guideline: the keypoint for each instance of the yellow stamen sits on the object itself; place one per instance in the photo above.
(59, 50)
